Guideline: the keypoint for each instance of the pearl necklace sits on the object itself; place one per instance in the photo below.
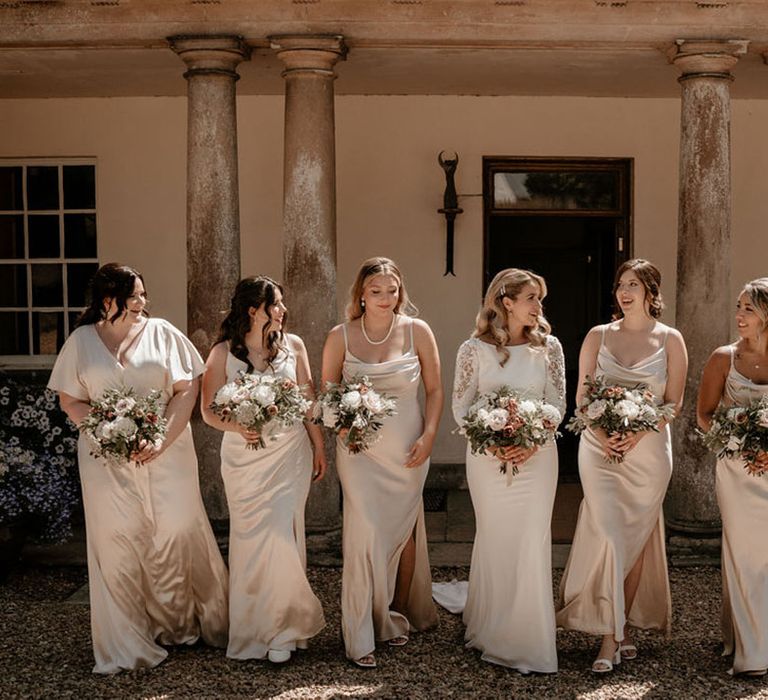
(385, 338)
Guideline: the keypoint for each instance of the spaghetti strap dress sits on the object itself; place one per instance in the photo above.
(620, 519)
(271, 604)
(383, 508)
(743, 501)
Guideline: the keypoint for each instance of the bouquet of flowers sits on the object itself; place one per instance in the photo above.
(120, 423)
(739, 431)
(256, 401)
(502, 419)
(618, 410)
(39, 486)
(354, 410)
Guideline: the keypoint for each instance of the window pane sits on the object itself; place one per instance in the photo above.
(47, 287)
(14, 333)
(79, 187)
(10, 189)
(47, 332)
(78, 277)
(11, 236)
(73, 316)
(43, 236)
(556, 191)
(13, 285)
(42, 187)
(80, 235)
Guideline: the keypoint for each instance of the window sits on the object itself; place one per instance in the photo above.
(47, 254)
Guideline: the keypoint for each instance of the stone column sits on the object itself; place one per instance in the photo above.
(704, 303)
(309, 216)
(213, 217)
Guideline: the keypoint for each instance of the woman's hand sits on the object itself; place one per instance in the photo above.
(623, 444)
(252, 437)
(419, 452)
(609, 449)
(319, 463)
(147, 452)
(516, 456)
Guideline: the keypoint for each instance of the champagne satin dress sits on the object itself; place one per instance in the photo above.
(154, 571)
(382, 508)
(271, 605)
(620, 519)
(509, 613)
(743, 501)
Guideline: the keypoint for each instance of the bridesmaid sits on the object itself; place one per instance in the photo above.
(154, 571)
(273, 611)
(616, 574)
(509, 613)
(386, 582)
(736, 375)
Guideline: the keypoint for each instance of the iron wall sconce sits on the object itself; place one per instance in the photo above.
(450, 207)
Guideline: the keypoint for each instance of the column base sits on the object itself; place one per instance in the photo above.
(694, 527)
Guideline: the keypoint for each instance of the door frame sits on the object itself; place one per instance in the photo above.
(624, 167)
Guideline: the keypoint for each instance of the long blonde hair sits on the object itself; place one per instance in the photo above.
(491, 321)
(371, 268)
(757, 291)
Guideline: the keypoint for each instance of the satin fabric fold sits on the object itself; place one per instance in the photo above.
(382, 508)
(620, 520)
(155, 573)
(271, 603)
(743, 501)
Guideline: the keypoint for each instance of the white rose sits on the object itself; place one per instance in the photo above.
(330, 417)
(351, 400)
(103, 430)
(373, 402)
(635, 396)
(245, 413)
(225, 394)
(551, 414)
(240, 394)
(125, 426)
(527, 408)
(497, 418)
(124, 405)
(263, 395)
(482, 416)
(596, 409)
(647, 413)
(358, 422)
(627, 409)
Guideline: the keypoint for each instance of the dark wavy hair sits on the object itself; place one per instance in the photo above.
(111, 281)
(251, 292)
(650, 277)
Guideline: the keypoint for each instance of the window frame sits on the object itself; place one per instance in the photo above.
(32, 361)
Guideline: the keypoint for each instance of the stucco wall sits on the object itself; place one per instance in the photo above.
(389, 185)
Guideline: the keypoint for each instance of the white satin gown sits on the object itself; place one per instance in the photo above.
(743, 501)
(620, 519)
(155, 574)
(383, 508)
(509, 613)
(271, 605)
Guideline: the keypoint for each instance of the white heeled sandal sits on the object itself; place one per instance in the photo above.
(278, 656)
(603, 665)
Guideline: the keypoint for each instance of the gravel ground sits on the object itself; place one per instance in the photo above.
(45, 653)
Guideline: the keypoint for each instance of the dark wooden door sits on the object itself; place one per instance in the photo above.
(577, 252)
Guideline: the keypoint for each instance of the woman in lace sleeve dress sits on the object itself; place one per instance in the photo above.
(616, 576)
(737, 375)
(509, 614)
(154, 571)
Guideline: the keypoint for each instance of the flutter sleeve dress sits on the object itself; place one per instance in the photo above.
(271, 604)
(620, 519)
(743, 501)
(155, 574)
(383, 508)
(509, 613)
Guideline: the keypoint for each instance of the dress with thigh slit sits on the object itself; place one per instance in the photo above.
(620, 520)
(743, 501)
(154, 571)
(382, 509)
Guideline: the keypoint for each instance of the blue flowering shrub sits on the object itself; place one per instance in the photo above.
(38, 461)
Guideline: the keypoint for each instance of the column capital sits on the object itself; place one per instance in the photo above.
(207, 54)
(707, 58)
(317, 53)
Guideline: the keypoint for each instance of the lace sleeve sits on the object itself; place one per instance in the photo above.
(465, 380)
(554, 390)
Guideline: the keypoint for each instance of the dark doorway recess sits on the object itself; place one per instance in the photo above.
(569, 220)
